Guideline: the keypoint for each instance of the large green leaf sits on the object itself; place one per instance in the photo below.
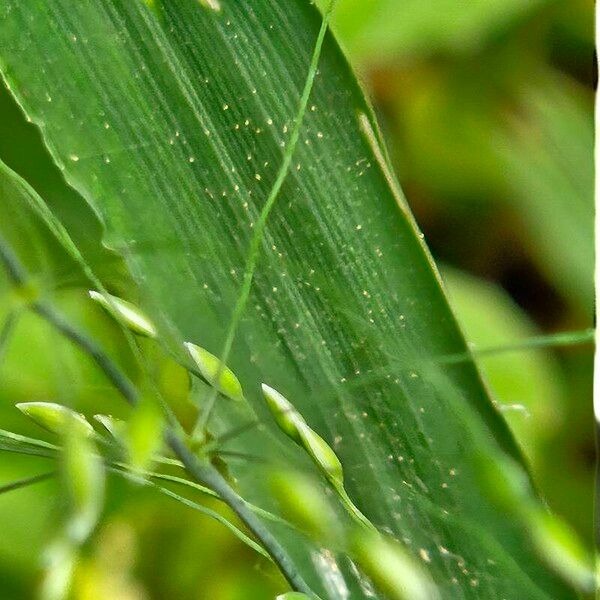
(171, 120)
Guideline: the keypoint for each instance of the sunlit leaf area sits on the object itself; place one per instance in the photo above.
(296, 300)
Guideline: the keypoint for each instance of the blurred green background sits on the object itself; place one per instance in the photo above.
(487, 107)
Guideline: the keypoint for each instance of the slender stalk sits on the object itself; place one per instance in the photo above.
(27, 451)
(21, 483)
(16, 273)
(22, 439)
(229, 435)
(205, 490)
(142, 480)
(91, 348)
(206, 474)
(259, 229)
(7, 328)
(353, 510)
(567, 338)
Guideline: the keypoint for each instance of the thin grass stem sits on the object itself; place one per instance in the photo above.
(194, 505)
(22, 439)
(232, 434)
(27, 481)
(259, 228)
(555, 340)
(8, 328)
(203, 472)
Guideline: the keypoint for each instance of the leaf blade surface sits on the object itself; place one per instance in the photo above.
(170, 122)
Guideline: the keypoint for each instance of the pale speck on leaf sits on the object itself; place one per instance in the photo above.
(213, 4)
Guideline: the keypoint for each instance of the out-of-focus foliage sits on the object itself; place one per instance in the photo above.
(494, 128)
(487, 108)
(526, 386)
(384, 30)
(546, 150)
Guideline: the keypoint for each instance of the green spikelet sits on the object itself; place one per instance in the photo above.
(285, 415)
(322, 454)
(55, 417)
(209, 366)
(291, 422)
(125, 312)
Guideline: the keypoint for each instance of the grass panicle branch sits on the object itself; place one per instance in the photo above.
(202, 472)
(206, 474)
